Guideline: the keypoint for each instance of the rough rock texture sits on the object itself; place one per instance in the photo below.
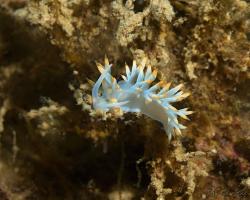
(52, 148)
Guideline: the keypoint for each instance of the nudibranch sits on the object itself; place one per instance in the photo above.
(137, 93)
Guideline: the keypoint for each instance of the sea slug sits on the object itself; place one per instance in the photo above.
(137, 93)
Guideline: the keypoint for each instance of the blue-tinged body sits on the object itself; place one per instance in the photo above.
(135, 93)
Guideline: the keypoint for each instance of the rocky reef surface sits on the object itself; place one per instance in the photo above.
(51, 147)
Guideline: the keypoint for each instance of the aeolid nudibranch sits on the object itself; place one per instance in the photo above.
(136, 93)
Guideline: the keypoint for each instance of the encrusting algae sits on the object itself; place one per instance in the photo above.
(105, 148)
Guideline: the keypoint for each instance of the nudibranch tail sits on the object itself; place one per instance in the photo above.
(135, 93)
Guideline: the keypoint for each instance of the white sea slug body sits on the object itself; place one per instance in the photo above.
(135, 93)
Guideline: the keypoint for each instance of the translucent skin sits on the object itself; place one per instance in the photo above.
(135, 94)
